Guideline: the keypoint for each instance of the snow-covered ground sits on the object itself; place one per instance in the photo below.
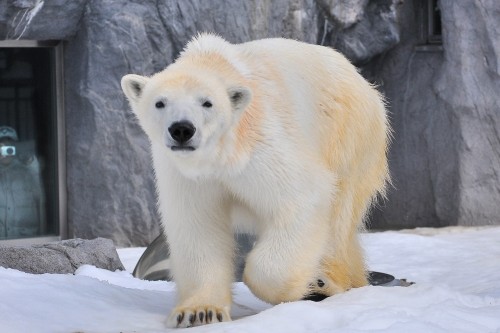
(456, 270)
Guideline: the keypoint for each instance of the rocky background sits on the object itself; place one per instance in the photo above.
(445, 107)
(444, 102)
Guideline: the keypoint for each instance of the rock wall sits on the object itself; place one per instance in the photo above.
(446, 115)
(421, 162)
(110, 180)
(444, 111)
(468, 83)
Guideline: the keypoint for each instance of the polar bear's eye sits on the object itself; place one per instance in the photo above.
(160, 105)
(207, 104)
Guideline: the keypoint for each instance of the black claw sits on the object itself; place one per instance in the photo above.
(179, 318)
(201, 316)
(219, 316)
(315, 297)
(192, 318)
(320, 283)
(210, 314)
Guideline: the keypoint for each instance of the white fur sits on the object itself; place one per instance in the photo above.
(293, 150)
(206, 43)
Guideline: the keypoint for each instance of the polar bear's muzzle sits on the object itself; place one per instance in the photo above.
(181, 132)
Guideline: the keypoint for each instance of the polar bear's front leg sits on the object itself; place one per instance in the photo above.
(202, 246)
(287, 256)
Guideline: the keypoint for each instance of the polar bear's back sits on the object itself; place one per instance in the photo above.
(333, 104)
(316, 93)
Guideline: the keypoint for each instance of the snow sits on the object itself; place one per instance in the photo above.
(456, 270)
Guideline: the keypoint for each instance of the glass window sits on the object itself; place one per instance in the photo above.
(429, 18)
(29, 179)
(434, 22)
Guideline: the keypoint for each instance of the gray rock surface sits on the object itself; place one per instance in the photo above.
(109, 176)
(110, 179)
(37, 19)
(445, 110)
(358, 42)
(469, 84)
(360, 29)
(240, 20)
(61, 257)
(404, 75)
(344, 13)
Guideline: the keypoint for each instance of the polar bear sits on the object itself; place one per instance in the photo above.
(274, 137)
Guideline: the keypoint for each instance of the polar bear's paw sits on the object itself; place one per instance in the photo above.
(321, 289)
(197, 315)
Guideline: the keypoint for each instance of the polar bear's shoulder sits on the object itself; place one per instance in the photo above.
(210, 43)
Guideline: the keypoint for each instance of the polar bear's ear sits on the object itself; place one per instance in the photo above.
(240, 97)
(133, 86)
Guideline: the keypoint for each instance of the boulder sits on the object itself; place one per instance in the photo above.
(61, 257)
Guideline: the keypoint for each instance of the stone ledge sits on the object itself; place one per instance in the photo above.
(61, 257)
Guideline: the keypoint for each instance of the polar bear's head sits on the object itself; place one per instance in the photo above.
(189, 112)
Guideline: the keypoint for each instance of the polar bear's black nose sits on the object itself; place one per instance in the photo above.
(182, 131)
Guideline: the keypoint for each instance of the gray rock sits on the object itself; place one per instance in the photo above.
(61, 257)
(376, 32)
(113, 194)
(361, 29)
(240, 20)
(444, 103)
(345, 13)
(469, 84)
(37, 19)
